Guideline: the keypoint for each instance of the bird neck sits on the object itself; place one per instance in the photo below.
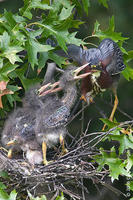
(69, 96)
(105, 80)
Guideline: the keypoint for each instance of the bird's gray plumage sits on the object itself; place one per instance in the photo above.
(20, 127)
(107, 50)
(54, 113)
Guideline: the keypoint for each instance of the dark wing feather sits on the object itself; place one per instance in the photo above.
(111, 52)
(58, 118)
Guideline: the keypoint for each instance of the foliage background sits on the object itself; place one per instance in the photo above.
(122, 10)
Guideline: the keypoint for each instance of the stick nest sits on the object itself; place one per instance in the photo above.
(65, 174)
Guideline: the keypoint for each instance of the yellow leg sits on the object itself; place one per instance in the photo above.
(126, 131)
(83, 98)
(9, 155)
(114, 108)
(115, 105)
(44, 151)
(64, 150)
(87, 99)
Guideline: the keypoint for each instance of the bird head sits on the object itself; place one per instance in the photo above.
(72, 75)
(13, 142)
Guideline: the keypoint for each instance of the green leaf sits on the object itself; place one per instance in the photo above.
(109, 123)
(6, 69)
(13, 88)
(65, 13)
(10, 99)
(104, 3)
(116, 166)
(62, 37)
(130, 185)
(57, 59)
(129, 161)
(33, 4)
(11, 52)
(2, 186)
(12, 195)
(1, 62)
(42, 59)
(128, 72)
(60, 197)
(86, 5)
(126, 141)
(4, 40)
(109, 33)
(38, 4)
(3, 195)
(33, 47)
(10, 19)
(43, 197)
(129, 56)
(27, 83)
(4, 174)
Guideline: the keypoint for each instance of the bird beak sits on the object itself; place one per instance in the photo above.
(11, 142)
(52, 89)
(79, 69)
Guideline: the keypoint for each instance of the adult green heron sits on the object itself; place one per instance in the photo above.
(18, 133)
(54, 113)
(108, 57)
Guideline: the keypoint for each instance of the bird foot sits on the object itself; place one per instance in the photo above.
(63, 152)
(87, 99)
(126, 131)
(45, 162)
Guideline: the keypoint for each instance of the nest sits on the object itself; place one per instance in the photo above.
(66, 174)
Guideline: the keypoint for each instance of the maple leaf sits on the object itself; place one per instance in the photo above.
(4, 91)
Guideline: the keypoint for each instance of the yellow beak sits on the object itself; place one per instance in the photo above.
(11, 142)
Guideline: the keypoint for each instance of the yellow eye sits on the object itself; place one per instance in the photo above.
(93, 66)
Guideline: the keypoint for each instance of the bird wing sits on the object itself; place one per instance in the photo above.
(58, 118)
(111, 56)
(25, 126)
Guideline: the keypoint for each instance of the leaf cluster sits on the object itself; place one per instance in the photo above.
(23, 41)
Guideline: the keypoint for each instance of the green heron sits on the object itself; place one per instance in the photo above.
(54, 113)
(108, 57)
(19, 134)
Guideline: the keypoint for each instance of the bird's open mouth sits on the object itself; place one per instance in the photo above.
(52, 88)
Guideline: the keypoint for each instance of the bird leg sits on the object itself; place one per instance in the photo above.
(10, 152)
(55, 87)
(64, 150)
(9, 155)
(114, 107)
(44, 151)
